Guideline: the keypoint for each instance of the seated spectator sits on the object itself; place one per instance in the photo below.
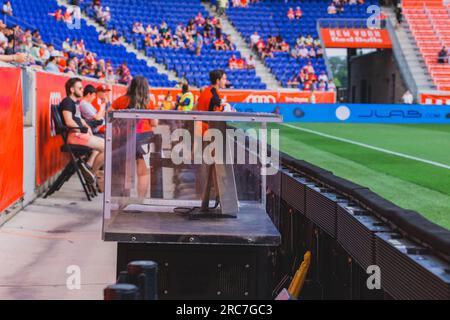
(284, 47)
(308, 68)
(240, 63)
(267, 52)
(84, 136)
(219, 44)
(331, 86)
(105, 36)
(322, 86)
(52, 63)
(7, 8)
(229, 44)
(332, 9)
(319, 53)
(71, 67)
(309, 40)
(115, 38)
(254, 39)
(95, 119)
(57, 14)
(295, 52)
(124, 74)
(260, 45)
(291, 14)
(199, 20)
(66, 46)
(442, 55)
(294, 81)
(250, 63)
(298, 13)
(307, 85)
(67, 17)
(323, 76)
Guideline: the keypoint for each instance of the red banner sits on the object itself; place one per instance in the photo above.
(50, 90)
(157, 95)
(436, 99)
(356, 38)
(11, 137)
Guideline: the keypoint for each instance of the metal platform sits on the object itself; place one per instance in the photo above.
(160, 224)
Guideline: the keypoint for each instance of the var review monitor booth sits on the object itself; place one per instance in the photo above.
(187, 190)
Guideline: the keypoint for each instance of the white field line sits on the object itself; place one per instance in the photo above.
(398, 154)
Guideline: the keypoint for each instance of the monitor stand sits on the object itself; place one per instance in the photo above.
(222, 176)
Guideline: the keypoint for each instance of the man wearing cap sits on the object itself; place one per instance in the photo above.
(101, 102)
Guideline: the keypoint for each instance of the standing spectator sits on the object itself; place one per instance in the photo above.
(7, 8)
(398, 15)
(198, 43)
(407, 97)
(186, 101)
(218, 29)
(222, 5)
(442, 55)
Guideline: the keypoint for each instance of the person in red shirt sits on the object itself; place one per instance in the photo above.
(209, 99)
(291, 14)
(240, 63)
(138, 97)
(232, 62)
(298, 13)
(57, 14)
(101, 101)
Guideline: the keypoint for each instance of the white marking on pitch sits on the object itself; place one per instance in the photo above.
(398, 154)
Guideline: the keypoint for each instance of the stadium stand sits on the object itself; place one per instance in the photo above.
(270, 18)
(34, 15)
(428, 21)
(181, 60)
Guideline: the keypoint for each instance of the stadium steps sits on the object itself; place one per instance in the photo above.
(261, 70)
(412, 54)
(139, 54)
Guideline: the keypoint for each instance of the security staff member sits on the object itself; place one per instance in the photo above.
(186, 102)
(209, 99)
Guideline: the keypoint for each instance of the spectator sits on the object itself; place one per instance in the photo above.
(323, 77)
(186, 101)
(124, 74)
(442, 55)
(199, 20)
(57, 14)
(94, 119)
(101, 101)
(294, 81)
(250, 63)
(66, 46)
(115, 38)
(407, 97)
(222, 5)
(83, 135)
(219, 44)
(7, 8)
(291, 14)
(332, 9)
(198, 43)
(254, 39)
(331, 86)
(298, 13)
(52, 63)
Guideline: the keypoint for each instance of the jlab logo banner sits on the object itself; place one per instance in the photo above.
(356, 113)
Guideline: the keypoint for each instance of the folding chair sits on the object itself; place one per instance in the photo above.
(78, 155)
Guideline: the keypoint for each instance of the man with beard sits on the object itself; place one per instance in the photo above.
(79, 131)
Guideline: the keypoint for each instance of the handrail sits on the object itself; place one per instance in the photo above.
(401, 61)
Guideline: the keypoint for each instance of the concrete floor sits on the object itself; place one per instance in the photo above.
(40, 243)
